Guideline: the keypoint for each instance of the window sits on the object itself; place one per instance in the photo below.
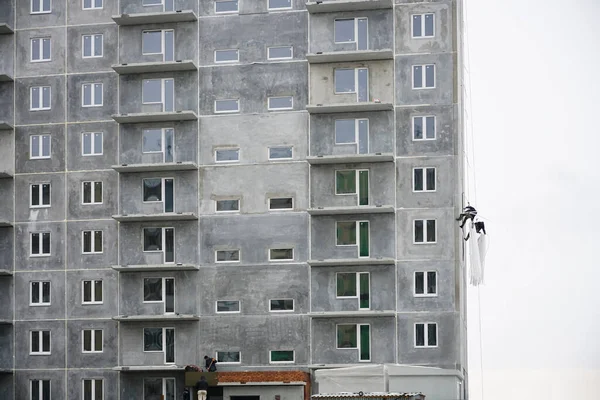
(39, 195)
(40, 49)
(39, 146)
(159, 91)
(423, 25)
(281, 254)
(227, 106)
(348, 181)
(346, 235)
(352, 30)
(92, 143)
(280, 153)
(279, 4)
(91, 95)
(423, 82)
(159, 388)
(426, 335)
(40, 389)
(281, 103)
(39, 98)
(225, 56)
(91, 292)
(39, 342)
(93, 45)
(160, 290)
(423, 179)
(281, 203)
(280, 53)
(281, 356)
(355, 336)
(91, 193)
(228, 357)
(159, 141)
(222, 256)
(228, 306)
(93, 389)
(425, 283)
(354, 285)
(92, 242)
(92, 341)
(40, 6)
(92, 4)
(227, 155)
(160, 240)
(424, 128)
(160, 340)
(226, 6)
(229, 205)
(40, 244)
(159, 42)
(424, 231)
(281, 305)
(347, 80)
(39, 293)
(157, 190)
(353, 132)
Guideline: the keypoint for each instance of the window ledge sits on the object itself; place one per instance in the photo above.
(155, 267)
(5, 126)
(348, 107)
(346, 5)
(155, 18)
(158, 318)
(380, 209)
(151, 167)
(171, 116)
(149, 67)
(358, 313)
(6, 29)
(344, 56)
(175, 216)
(351, 262)
(143, 368)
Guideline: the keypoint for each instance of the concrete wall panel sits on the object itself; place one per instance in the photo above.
(56, 308)
(442, 42)
(77, 161)
(77, 209)
(77, 259)
(75, 61)
(56, 358)
(445, 182)
(77, 112)
(441, 94)
(56, 114)
(76, 358)
(56, 162)
(56, 210)
(75, 307)
(56, 259)
(446, 234)
(26, 67)
(445, 142)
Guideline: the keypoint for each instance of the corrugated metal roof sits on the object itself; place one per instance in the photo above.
(361, 395)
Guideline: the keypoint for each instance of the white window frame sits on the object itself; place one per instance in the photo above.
(227, 12)
(424, 183)
(426, 335)
(337, 345)
(163, 291)
(93, 246)
(228, 261)
(164, 345)
(280, 58)
(425, 284)
(424, 231)
(227, 161)
(228, 111)
(279, 108)
(239, 202)
(423, 77)
(282, 362)
(283, 311)
(237, 51)
(424, 125)
(41, 11)
(356, 19)
(40, 98)
(93, 143)
(93, 7)
(92, 86)
(357, 244)
(164, 386)
(162, 91)
(163, 190)
(356, 179)
(356, 133)
(228, 312)
(41, 49)
(422, 17)
(41, 146)
(41, 244)
(92, 341)
(279, 158)
(92, 193)
(40, 388)
(280, 209)
(163, 235)
(162, 44)
(282, 260)
(163, 142)
(228, 362)
(93, 291)
(278, 8)
(357, 296)
(41, 341)
(93, 385)
(355, 91)
(41, 303)
(40, 195)
(92, 45)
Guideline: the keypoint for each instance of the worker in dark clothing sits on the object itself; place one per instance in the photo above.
(202, 388)
(210, 364)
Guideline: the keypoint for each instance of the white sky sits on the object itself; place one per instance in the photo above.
(535, 90)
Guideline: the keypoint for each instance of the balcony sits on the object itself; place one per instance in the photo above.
(352, 314)
(352, 210)
(350, 158)
(169, 116)
(5, 224)
(351, 262)
(159, 217)
(155, 17)
(149, 368)
(5, 272)
(5, 174)
(157, 318)
(5, 29)
(6, 322)
(326, 6)
(5, 78)
(156, 167)
(155, 267)
(159, 66)
(5, 126)
(348, 107)
(345, 56)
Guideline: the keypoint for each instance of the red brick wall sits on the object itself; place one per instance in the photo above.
(267, 376)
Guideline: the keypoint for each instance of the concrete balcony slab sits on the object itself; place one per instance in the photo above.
(155, 18)
(5, 224)
(6, 78)
(348, 107)
(346, 5)
(389, 209)
(6, 322)
(148, 67)
(5, 272)
(171, 116)
(6, 175)
(351, 158)
(351, 314)
(5, 126)
(156, 167)
(156, 318)
(6, 29)
(182, 216)
(148, 368)
(155, 267)
(6, 371)
(351, 262)
(345, 56)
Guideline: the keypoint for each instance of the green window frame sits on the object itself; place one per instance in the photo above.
(349, 181)
(355, 336)
(281, 356)
(354, 285)
(346, 235)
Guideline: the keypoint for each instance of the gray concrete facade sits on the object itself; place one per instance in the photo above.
(264, 234)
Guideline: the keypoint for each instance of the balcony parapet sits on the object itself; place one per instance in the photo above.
(339, 262)
(346, 56)
(155, 267)
(171, 116)
(156, 167)
(155, 18)
(326, 6)
(150, 67)
(174, 216)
